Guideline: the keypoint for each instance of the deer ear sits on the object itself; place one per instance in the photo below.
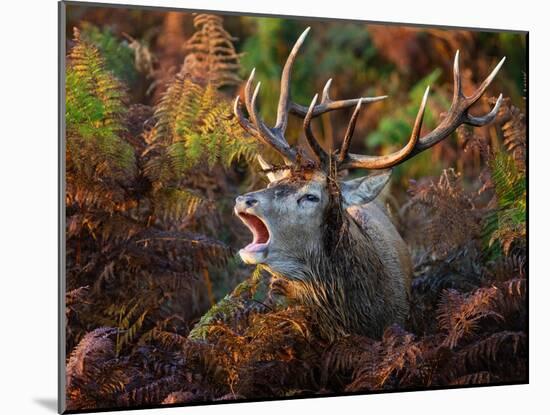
(364, 189)
(272, 176)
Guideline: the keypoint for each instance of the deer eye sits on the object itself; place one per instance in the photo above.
(308, 197)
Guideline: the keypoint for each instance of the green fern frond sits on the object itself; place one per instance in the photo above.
(174, 204)
(212, 57)
(94, 112)
(506, 225)
(514, 131)
(197, 127)
(130, 333)
(118, 56)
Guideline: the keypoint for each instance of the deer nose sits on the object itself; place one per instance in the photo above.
(248, 201)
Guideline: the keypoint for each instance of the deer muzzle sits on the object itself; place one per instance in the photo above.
(256, 251)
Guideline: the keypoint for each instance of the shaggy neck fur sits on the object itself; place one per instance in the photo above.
(343, 279)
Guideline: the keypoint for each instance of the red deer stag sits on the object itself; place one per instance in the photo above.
(331, 240)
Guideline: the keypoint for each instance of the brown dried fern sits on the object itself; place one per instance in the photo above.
(212, 57)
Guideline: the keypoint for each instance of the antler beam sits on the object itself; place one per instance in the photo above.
(456, 116)
(327, 104)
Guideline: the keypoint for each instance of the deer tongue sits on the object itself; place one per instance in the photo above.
(259, 231)
(255, 247)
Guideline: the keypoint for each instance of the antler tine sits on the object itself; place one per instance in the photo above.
(247, 125)
(312, 141)
(487, 118)
(325, 97)
(272, 137)
(457, 81)
(458, 112)
(485, 84)
(247, 91)
(456, 116)
(344, 149)
(419, 118)
(284, 94)
(327, 104)
(349, 160)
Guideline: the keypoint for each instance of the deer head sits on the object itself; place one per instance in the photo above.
(304, 206)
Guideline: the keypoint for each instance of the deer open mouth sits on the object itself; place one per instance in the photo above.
(259, 230)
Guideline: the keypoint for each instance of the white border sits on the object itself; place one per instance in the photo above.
(28, 170)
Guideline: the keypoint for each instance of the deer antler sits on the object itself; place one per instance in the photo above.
(456, 116)
(275, 136)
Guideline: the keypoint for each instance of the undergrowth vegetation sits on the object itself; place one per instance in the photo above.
(150, 237)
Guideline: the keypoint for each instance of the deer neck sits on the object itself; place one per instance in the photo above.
(341, 280)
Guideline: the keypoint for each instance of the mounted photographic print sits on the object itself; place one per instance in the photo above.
(275, 207)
